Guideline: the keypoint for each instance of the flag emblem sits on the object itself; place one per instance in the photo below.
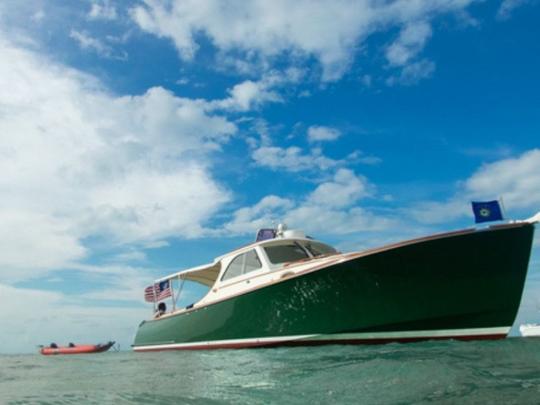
(484, 212)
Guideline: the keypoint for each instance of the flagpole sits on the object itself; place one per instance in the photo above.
(502, 207)
(180, 287)
(171, 285)
(155, 297)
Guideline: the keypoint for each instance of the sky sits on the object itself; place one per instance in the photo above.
(139, 138)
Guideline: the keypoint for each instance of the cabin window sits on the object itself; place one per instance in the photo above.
(242, 264)
(285, 253)
(252, 262)
(319, 249)
(235, 268)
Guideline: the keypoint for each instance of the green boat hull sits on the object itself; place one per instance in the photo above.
(464, 285)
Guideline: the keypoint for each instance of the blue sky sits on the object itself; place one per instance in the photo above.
(138, 138)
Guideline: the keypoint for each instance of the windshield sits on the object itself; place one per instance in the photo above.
(319, 249)
(285, 253)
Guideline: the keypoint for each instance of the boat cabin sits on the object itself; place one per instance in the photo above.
(275, 255)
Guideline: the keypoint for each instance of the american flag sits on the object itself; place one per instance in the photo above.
(157, 292)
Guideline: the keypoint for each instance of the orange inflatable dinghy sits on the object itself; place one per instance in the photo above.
(76, 349)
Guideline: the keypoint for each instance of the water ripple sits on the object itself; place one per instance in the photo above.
(431, 372)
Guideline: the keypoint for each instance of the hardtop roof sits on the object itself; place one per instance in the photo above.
(207, 274)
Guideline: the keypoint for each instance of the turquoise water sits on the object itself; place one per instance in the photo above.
(449, 372)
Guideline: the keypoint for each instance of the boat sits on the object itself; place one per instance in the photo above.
(54, 349)
(530, 330)
(289, 289)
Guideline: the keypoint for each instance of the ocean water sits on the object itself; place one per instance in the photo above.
(442, 372)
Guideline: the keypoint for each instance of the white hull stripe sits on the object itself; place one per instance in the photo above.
(416, 334)
(253, 342)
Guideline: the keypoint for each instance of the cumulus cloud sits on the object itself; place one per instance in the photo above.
(248, 93)
(317, 133)
(77, 162)
(508, 6)
(38, 16)
(360, 157)
(295, 159)
(329, 31)
(37, 321)
(87, 42)
(431, 212)
(410, 42)
(319, 220)
(515, 179)
(31, 240)
(102, 10)
(345, 189)
(251, 94)
(268, 210)
(412, 73)
(292, 159)
(332, 207)
(403, 50)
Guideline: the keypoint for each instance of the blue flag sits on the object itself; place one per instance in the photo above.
(485, 211)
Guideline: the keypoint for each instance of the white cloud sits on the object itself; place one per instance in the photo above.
(32, 317)
(261, 215)
(345, 189)
(321, 220)
(430, 212)
(360, 157)
(156, 244)
(321, 133)
(77, 161)
(508, 6)
(332, 208)
(147, 203)
(32, 240)
(251, 94)
(117, 282)
(292, 159)
(295, 159)
(248, 95)
(87, 42)
(413, 73)
(517, 180)
(102, 10)
(410, 42)
(38, 16)
(131, 255)
(328, 30)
